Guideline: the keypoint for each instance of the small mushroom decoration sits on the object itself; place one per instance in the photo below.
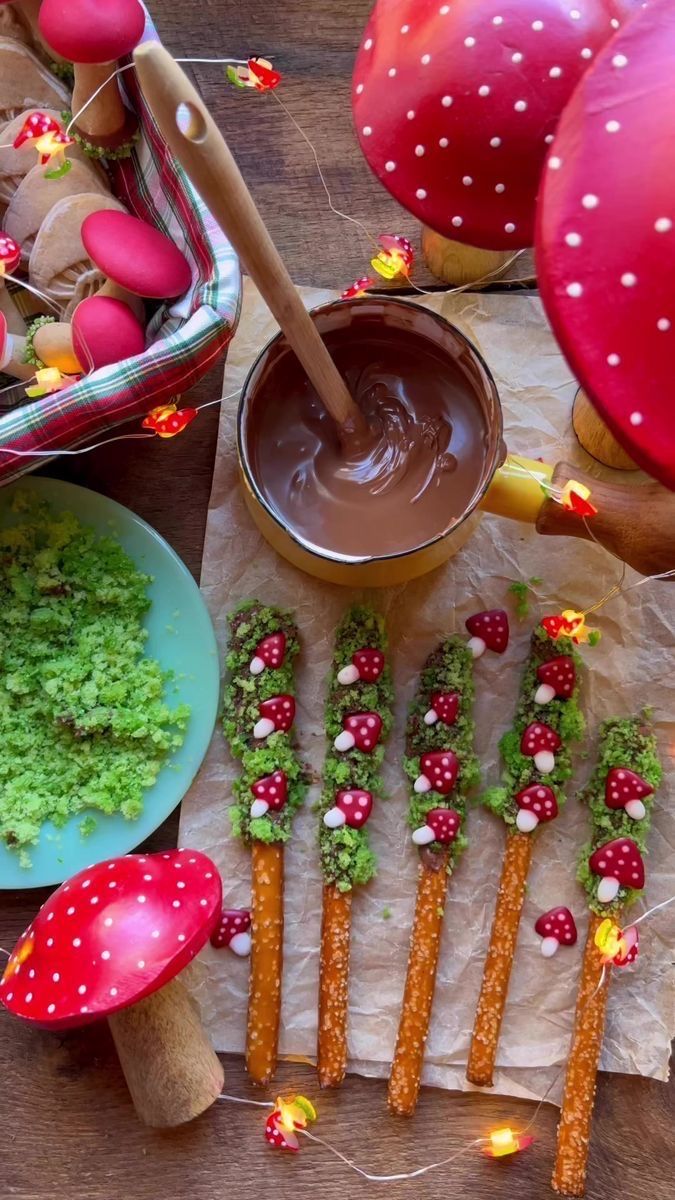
(271, 794)
(455, 105)
(489, 631)
(444, 708)
(438, 772)
(103, 331)
(110, 943)
(352, 807)
(270, 652)
(630, 940)
(167, 420)
(540, 742)
(556, 680)
(233, 931)
(288, 1117)
(617, 946)
(441, 825)
(625, 789)
(556, 928)
(276, 716)
(536, 804)
(605, 244)
(619, 864)
(366, 665)
(360, 731)
(137, 259)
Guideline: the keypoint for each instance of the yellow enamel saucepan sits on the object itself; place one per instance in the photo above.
(635, 523)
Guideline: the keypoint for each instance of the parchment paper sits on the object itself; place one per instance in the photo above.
(632, 666)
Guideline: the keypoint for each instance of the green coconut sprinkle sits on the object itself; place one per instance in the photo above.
(83, 719)
(244, 692)
(624, 742)
(563, 716)
(99, 152)
(346, 856)
(448, 669)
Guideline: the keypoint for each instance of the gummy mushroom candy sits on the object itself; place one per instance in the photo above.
(110, 944)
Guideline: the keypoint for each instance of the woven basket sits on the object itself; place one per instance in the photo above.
(185, 338)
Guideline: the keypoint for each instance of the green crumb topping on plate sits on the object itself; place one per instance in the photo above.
(624, 742)
(563, 716)
(346, 856)
(448, 669)
(248, 625)
(83, 720)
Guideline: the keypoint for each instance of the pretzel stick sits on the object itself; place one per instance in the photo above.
(267, 933)
(497, 970)
(425, 944)
(334, 986)
(574, 1129)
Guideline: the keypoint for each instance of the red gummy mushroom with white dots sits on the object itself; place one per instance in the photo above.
(605, 241)
(455, 104)
(109, 944)
(556, 927)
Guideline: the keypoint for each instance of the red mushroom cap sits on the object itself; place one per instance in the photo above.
(270, 652)
(606, 237)
(111, 935)
(135, 255)
(492, 626)
(356, 805)
(233, 921)
(621, 860)
(272, 789)
(540, 800)
(86, 31)
(445, 823)
(454, 104)
(369, 663)
(440, 768)
(623, 786)
(10, 254)
(538, 736)
(446, 706)
(280, 710)
(559, 674)
(557, 923)
(361, 731)
(105, 331)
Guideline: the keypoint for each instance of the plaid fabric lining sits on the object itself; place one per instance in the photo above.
(187, 338)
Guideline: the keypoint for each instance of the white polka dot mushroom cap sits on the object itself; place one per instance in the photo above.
(455, 104)
(606, 237)
(113, 934)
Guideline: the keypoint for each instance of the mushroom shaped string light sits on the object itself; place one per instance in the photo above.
(49, 139)
(606, 237)
(137, 259)
(110, 943)
(93, 36)
(455, 104)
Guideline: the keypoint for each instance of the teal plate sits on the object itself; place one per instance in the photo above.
(183, 643)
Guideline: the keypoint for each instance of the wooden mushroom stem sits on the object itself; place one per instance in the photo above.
(28, 12)
(172, 1072)
(459, 264)
(15, 322)
(636, 522)
(53, 345)
(596, 439)
(116, 292)
(12, 361)
(106, 115)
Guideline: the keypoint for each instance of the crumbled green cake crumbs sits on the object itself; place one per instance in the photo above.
(83, 722)
(563, 716)
(448, 669)
(346, 857)
(248, 625)
(521, 590)
(624, 742)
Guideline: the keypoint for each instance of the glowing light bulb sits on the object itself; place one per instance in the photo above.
(395, 256)
(575, 497)
(505, 1141)
(49, 380)
(166, 420)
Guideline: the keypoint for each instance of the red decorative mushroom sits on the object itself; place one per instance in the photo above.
(442, 825)
(109, 943)
(366, 664)
(93, 36)
(455, 104)
(625, 789)
(438, 772)
(352, 807)
(489, 630)
(278, 1135)
(556, 680)
(444, 708)
(105, 331)
(270, 652)
(167, 421)
(358, 288)
(540, 742)
(619, 864)
(536, 804)
(630, 940)
(556, 927)
(360, 731)
(276, 716)
(233, 931)
(606, 236)
(137, 259)
(271, 793)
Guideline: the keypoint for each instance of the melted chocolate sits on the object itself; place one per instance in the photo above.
(422, 465)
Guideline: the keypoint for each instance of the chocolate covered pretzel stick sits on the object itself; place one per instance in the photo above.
(442, 769)
(537, 764)
(258, 715)
(611, 869)
(358, 719)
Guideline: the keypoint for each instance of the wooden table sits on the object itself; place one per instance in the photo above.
(67, 1127)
